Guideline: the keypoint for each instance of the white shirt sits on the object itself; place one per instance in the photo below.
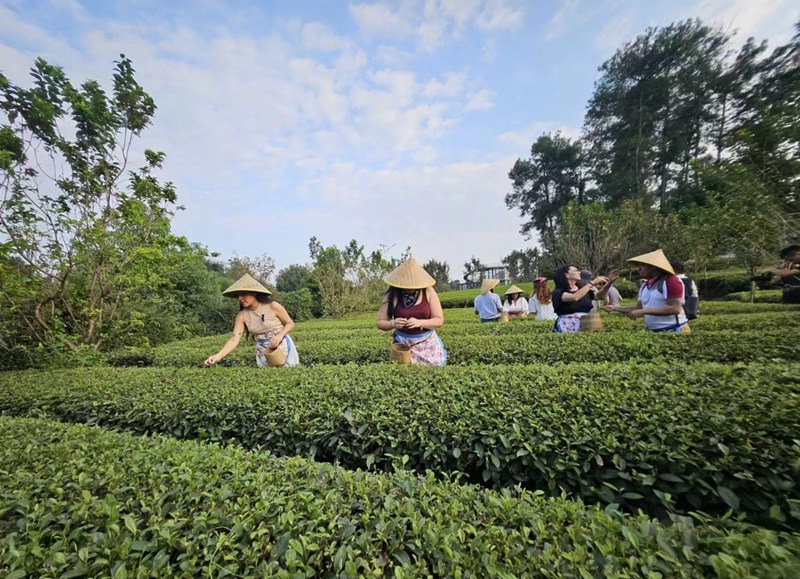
(652, 298)
(520, 306)
(542, 311)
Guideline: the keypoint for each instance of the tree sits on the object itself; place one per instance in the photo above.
(765, 119)
(523, 264)
(261, 267)
(440, 271)
(653, 110)
(349, 280)
(472, 270)
(83, 234)
(294, 278)
(546, 182)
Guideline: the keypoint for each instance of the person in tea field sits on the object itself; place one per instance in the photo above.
(411, 308)
(264, 319)
(572, 300)
(541, 302)
(613, 297)
(487, 304)
(516, 306)
(789, 275)
(660, 296)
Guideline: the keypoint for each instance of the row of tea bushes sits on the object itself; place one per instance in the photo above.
(466, 349)
(651, 436)
(470, 326)
(78, 501)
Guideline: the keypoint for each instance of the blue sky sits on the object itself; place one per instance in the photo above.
(394, 123)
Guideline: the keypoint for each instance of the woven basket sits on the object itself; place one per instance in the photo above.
(276, 357)
(591, 323)
(503, 318)
(400, 354)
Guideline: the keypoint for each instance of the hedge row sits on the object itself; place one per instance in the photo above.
(536, 347)
(93, 503)
(707, 437)
(462, 326)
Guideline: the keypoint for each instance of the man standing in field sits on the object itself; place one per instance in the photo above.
(488, 305)
(660, 296)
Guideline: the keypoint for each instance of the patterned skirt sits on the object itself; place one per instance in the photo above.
(426, 348)
(568, 323)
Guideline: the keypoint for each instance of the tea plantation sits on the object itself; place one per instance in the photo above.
(612, 454)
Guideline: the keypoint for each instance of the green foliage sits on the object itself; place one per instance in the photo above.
(523, 265)
(294, 278)
(439, 271)
(299, 304)
(638, 435)
(97, 503)
(81, 247)
(349, 280)
(547, 182)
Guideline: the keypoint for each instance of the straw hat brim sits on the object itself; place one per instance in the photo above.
(409, 275)
(488, 284)
(246, 283)
(656, 259)
(514, 290)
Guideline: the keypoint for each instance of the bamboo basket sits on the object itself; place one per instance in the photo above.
(591, 323)
(504, 318)
(276, 357)
(400, 354)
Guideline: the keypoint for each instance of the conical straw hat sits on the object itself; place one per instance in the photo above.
(409, 275)
(488, 284)
(656, 259)
(514, 290)
(246, 283)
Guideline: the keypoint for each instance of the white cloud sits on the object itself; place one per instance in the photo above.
(498, 15)
(380, 20)
(772, 19)
(566, 17)
(524, 138)
(481, 100)
(617, 32)
(318, 37)
(450, 86)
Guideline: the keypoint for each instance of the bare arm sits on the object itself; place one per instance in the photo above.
(230, 345)
(286, 320)
(610, 279)
(777, 272)
(673, 308)
(581, 293)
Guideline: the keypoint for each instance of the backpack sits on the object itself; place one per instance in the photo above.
(691, 301)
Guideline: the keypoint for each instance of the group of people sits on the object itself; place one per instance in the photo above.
(412, 311)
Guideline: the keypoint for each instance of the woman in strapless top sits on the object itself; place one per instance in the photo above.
(264, 319)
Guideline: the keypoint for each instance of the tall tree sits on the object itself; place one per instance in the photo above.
(440, 271)
(546, 182)
(472, 270)
(523, 264)
(765, 126)
(83, 234)
(294, 278)
(651, 111)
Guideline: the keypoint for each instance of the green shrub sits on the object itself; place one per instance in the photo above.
(297, 303)
(94, 503)
(760, 296)
(651, 436)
